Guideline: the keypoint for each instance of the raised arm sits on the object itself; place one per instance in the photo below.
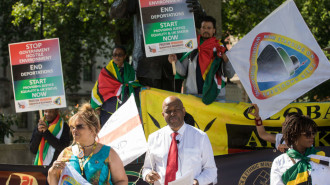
(260, 128)
(62, 142)
(195, 7)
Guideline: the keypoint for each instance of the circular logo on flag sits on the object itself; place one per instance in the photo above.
(68, 180)
(278, 62)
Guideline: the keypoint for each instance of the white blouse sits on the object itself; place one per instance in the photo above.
(320, 173)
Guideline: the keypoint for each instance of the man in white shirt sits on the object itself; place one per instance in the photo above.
(193, 147)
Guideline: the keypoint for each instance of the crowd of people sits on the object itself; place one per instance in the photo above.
(173, 151)
(178, 148)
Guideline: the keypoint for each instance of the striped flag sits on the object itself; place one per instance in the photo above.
(124, 132)
(213, 82)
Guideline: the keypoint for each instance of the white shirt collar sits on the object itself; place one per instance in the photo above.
(169, 131)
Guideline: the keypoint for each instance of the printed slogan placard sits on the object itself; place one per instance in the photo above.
(168, 27)
(37, 75)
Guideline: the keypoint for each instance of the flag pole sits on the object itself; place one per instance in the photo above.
(173, 67)
(40, 115)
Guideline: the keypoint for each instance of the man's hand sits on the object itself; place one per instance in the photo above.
(194, 6)
(42, 126)
(282, 147)
(152, 177)
(172, 58)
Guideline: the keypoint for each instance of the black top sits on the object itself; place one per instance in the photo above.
(58, 144)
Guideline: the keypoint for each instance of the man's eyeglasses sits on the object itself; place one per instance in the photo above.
(117, 55)
(77, 127)
(308, 133)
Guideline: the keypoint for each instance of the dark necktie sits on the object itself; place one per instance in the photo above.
(172, 160)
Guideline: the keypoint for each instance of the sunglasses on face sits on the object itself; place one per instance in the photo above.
(308, 133)
(117, 55)
(77, 127)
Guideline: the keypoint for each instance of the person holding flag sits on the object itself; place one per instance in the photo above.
(277, 139)
(155, 71)
(116, 82)
(203, 67)
(302, 163)
(49, 138)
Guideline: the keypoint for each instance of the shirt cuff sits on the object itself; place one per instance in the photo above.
(145, 172)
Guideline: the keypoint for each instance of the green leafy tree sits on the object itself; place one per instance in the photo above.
(10, 33)
(241, 16)
(83, 27)
(6, 122)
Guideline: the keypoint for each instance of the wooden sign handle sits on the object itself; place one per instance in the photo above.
(173, 67)
(40, 115)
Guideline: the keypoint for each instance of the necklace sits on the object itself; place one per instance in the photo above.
(82, 161)
(89, 145)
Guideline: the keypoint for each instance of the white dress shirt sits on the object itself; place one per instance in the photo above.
(320, 173)
(194, 151)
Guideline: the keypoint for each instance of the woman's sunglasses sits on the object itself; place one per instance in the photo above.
(77, 127)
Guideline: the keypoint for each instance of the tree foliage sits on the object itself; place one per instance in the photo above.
(10, 33)
(83, 27)
(6, 121)
(86, 31)
(241, 16)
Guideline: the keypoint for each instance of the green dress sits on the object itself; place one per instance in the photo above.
(97, 169)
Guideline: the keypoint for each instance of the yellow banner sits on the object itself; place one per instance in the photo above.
(228, 126)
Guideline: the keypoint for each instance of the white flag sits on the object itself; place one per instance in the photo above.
(279, 60)
(124, 133)
(70, 176)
